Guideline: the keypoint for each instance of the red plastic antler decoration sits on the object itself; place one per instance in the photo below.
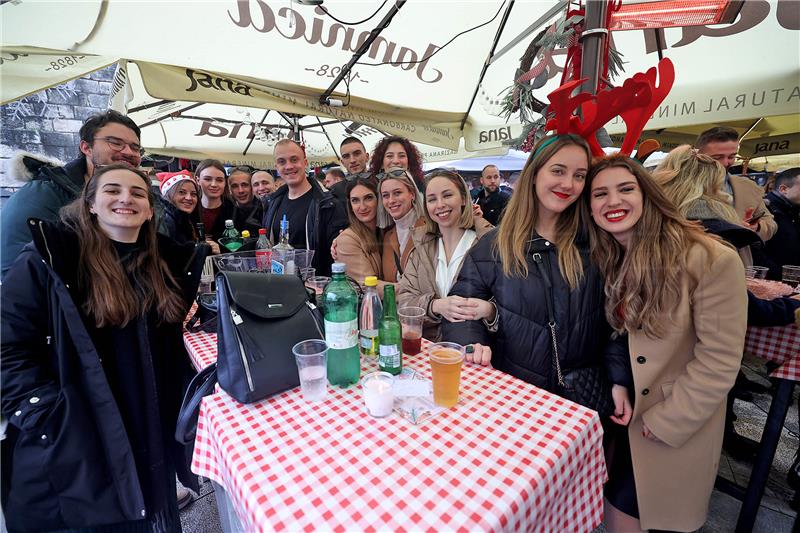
(634, 101)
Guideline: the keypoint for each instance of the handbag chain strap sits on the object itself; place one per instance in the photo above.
(551, 320)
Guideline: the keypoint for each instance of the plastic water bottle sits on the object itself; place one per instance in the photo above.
(370, 319)
(263, 252)
(283, 252)
(341, 329)
(230, 237)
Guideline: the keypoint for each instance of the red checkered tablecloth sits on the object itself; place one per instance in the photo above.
(202, 348)
(780, 344)
(509, 457)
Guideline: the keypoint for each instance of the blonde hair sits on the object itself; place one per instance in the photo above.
(384, 219)
(643, 283)
(687, 176)
(467, 219)
(519, 221)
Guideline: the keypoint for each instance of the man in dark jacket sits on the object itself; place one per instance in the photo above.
(491, 199)
(109, 137)
(249, 209)
(784, 204)
(315, 217)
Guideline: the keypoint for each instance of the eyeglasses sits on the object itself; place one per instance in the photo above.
(119, 145)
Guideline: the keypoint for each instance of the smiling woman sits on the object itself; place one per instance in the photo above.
(97, 401)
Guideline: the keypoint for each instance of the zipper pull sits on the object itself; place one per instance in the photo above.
(311, 306)
(236, 318)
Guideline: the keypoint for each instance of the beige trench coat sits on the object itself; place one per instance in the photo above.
(681, 381)
(418, 284)
(352, 252)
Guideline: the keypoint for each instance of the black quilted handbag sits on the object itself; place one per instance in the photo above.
(588, 386)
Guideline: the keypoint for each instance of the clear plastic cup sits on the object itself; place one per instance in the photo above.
(312, 365)
(411, 325)
(791, 276)
(446, 361)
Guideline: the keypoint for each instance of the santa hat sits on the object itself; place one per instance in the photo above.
(170, 179)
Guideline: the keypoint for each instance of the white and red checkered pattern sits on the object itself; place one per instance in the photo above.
(202, 348)
(508, 457)
(780, 344)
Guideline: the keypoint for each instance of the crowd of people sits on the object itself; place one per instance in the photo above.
(590, 263)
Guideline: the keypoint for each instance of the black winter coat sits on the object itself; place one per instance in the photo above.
(67, 459)
(522, 346)
(493, 205)
(326, 218)
(176, 224)
(784, 247)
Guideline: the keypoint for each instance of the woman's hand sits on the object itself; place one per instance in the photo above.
(649, 435)
(480, 355)
(455, 308)
(333, 250)
(477, 212)
(214, 246)
(483, 310)
(622, 405)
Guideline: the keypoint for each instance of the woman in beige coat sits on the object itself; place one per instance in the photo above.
(359, 246)
(401, 212)
(440, 245)
(679, 296)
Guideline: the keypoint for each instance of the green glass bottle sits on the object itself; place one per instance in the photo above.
(341, 329)
(390, 355)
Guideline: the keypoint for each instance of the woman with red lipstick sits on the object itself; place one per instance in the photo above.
(440, 246)
(676, 298)
(359, 246)
(535, 270)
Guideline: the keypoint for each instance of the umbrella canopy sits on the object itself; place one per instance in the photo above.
(417, 79)
(513, 161)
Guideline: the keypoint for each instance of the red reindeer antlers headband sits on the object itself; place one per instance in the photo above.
(634, 101)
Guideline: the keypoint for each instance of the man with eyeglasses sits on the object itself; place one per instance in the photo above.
(106, 138)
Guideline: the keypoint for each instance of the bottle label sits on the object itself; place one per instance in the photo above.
(277, 267)
(264, 260)
(341, 335)
(369, 342)
(389, 356)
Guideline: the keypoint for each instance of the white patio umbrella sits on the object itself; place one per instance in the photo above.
(414, 80)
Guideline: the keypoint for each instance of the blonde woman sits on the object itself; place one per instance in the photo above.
(535, 270)
(400, 212)
(440, 246)
(695, 184)
(677, 298)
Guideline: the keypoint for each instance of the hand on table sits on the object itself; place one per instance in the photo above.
(480, 355)
(622, 405)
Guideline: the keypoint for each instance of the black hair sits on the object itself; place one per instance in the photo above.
(351, 139)
(787, 177)
(95, 122)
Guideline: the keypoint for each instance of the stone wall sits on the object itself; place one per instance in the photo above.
(48, 122)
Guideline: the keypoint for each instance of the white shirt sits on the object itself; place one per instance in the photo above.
(446, 272)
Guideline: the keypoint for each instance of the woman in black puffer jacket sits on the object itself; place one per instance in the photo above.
(180, 197)
(537, 248)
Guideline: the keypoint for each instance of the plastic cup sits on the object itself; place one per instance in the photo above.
(791, 276)
(759, 272)
(446, 361)
(378, 393)
(307, 273)
(411, 326)
(317, 284)
(312, 365)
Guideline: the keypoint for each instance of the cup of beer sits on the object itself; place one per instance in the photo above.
(446, 360)
(411, 327)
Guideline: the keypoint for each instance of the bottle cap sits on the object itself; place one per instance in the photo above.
(262, 231)
(371, 281)
(338, 268)
(229, 222)
(245, 234)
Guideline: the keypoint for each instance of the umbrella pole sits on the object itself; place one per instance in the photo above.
(593, 38)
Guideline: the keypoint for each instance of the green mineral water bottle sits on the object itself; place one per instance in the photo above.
(341, 329)
(230, 237)
(390, 354)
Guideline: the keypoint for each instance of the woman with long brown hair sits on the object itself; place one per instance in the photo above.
(359, 246)
(677, 299)
(440, 246)
(93, 364)
(534, 268)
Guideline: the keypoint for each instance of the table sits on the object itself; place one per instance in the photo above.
(509, 457)
(781, 345)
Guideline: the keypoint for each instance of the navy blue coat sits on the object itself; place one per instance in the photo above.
(68, 461)
(522, 345)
